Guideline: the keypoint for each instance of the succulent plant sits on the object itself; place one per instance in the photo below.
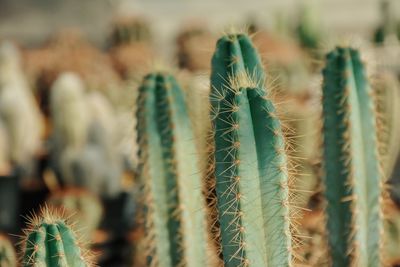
(251, 176)
(308, 29)
(7, 253)
(91, 167)
(83, 207)
(352, 175)
(174, 209)
(50, 241)
(387, 99)
(82, 151)
(127, 30)
(69, 112)
(387, 25)
(23, 122)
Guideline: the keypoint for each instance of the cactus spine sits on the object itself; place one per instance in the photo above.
(352, 171)
(175, 218)
(50, 241)
(250, 160)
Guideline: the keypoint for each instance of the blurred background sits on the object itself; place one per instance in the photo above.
(69, 71)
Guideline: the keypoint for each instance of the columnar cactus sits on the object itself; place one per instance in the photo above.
(308, 31)
(7, 253)
(351, 164)
(51, 242)
(174, 208)
(250, 160)
(23, 122)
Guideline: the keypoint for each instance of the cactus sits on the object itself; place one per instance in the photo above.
(69, 112)
(91, 167)
(7, 253)
(351, 164)
(235, 54)
(387, 25)
(84, 207)
(387, 95)
(308, 31)
(50, 241)
(250, 160)
(127, 30)
(174, 208)
(23, 122)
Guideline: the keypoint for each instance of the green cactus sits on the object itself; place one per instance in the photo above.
(235, 54)
(250, 160)
(387, 25)
(128, 30)
(50, 241)
(83, 207)
(352, 168)
(7, 253)
(308, 30)
(174, 208)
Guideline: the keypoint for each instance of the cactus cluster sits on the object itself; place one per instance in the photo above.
(215, 172)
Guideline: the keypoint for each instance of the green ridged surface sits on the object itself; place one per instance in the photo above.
(250, 160)
(235, 54)
(352, 177)
(251, 178)
(52, 244)
(175, 218)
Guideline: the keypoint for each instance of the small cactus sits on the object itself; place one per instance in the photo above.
(7, 253)
(308, 31)
(174, 208)
(351, 164)
(50, 241)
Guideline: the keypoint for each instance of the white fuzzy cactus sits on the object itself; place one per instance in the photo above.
(18, 108)
(69, 111)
